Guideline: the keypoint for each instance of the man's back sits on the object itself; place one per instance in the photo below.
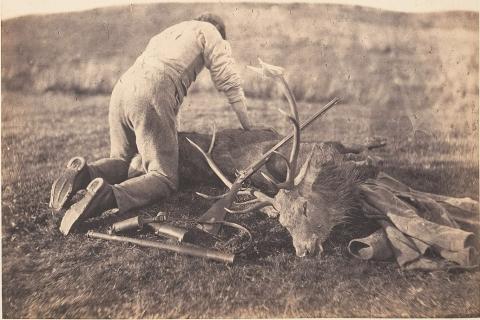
(185, 48)
(177, 46)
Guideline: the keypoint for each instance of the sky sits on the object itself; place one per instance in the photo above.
(15, 8)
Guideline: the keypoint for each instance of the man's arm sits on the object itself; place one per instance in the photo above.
(218, 59)
(240, 108)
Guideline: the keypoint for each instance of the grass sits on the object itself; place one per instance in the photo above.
(46, 275)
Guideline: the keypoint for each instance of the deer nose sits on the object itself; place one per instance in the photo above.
(303, 254)
(315, 250)
(308, 251)
(301, 250)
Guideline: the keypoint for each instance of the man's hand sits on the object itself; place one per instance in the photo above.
(240, 109)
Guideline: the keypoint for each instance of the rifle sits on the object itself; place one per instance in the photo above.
(209, 221)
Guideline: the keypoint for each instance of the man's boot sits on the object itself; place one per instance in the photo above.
(98, 198)
(75, 177)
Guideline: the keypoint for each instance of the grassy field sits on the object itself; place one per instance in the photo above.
(48, 275)
(410, 78)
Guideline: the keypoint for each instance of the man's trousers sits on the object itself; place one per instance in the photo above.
(142, 119)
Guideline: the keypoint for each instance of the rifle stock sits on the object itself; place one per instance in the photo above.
(217, 211)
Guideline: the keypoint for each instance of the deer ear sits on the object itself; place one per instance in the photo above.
(303, 170)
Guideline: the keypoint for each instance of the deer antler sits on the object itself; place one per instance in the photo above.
(217, 211)
(277, 74)
(292, 162)
(261, 200)
(208, 156)
(258, 205)
(227, 200)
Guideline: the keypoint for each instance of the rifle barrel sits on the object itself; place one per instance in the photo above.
(182, 249)
(264, 158)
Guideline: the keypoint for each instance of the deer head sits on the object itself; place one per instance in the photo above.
(307, 214)
(322, 195)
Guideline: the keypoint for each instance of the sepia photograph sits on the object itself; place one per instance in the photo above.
(255, 159)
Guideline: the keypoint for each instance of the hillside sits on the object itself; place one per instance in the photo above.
(424, 63)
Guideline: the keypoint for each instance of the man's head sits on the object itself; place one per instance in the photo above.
(215, 20)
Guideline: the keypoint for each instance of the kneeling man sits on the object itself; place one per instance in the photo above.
(142, 119)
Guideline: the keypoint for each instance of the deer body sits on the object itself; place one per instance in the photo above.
(235, 149)
(304, 210)
(309, 211)
(311, 200)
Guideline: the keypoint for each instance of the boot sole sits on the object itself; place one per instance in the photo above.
(77, 211)
(63, 188)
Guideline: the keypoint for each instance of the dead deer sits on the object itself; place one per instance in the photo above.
(314, 199)
(308, 213)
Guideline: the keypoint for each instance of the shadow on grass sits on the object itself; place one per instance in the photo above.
(441, 177)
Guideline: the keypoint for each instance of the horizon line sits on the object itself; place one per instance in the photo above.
(18, 8)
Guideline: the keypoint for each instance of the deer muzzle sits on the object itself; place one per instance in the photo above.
(310, 248)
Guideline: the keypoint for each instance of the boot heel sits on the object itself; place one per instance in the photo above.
(67, 184)
(95, 185)
(94, 202)
(76, 164)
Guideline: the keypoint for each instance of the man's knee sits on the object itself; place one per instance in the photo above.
(170, 181)
(137, 168)
(143, 190)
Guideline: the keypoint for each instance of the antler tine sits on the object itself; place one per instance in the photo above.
(212, 143)
(259, 205)
(259, 196)
(282, 156)
(246, 203)
(260, 200)
(270, 179)
(292, 162)
(290, 97)
(245, 192)
(303, 170)
(262, 196)
(209, 159)
(209, 197)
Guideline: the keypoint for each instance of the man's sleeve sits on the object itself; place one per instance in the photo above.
(218, 59)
